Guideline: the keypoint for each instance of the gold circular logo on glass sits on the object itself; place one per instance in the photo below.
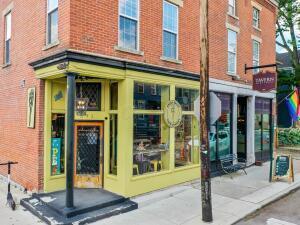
(173, 114)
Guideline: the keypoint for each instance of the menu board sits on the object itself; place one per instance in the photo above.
(283, 167)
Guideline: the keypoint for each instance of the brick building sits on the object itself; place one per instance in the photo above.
(135, 64)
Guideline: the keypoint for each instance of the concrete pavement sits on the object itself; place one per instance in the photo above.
(232, 200)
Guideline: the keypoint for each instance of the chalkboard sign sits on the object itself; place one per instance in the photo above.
(283, 167)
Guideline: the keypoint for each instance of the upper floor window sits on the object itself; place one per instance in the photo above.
(170, 30)
(128, 27)
(232, 46)
(52, 21)
(256, 53)
(256, 17)
(7, 38)
(232, 7)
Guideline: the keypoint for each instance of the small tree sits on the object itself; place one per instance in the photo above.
(287, 21)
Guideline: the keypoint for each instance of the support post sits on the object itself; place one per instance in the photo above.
(70, 141)
(204, 114)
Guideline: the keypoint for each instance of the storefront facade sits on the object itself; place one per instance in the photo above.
(124, 142)
(244, 128)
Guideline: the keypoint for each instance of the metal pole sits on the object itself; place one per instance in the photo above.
(204, 114)
(70, 141)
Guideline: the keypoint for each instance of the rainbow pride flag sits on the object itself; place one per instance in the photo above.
(293, 105)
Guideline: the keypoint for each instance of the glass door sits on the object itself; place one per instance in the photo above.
(88, 155)
(242, 127)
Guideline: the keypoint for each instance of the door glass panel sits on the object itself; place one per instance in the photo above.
(266, 136)
(258, 123)
(242, 127)
(88, 150)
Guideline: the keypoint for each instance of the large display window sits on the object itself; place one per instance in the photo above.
(151, 134)
(220, 138)
(187, 133)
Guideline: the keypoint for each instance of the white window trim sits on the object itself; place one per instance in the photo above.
(235, 68)
(234, 9)
(257, 19)
(9, 39)
(176, 60)
(125, 49)
(56, 42)
(256, 5)
(255, 38)
(233, 28)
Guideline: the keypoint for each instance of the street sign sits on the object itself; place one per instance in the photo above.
(197, 108)
(215, 105)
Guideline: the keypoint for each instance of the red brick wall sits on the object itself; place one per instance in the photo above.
(17, 142)
(94, 28)
(218, 41)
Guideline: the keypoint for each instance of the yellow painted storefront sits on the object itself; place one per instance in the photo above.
(124, 182)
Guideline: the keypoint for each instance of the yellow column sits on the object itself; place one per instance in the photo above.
(172, 134)
(125, 132)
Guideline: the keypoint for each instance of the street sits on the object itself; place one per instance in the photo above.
(284, 211)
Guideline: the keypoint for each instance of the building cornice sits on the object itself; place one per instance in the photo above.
(76, 56)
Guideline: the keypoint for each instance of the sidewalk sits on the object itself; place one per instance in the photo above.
(232, 200)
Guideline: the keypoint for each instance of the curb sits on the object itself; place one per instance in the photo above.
(270, 200)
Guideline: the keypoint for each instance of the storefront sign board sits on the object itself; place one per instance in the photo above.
(283, 168)
(264, 81)
(55, 156)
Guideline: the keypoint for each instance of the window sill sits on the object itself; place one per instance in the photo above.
(233, 75)
(52, 45)
(6, 65)
(233, 16)
(256, 28)
(171, 60)
(127, 50)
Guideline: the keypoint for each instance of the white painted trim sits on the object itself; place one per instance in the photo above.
(232, 27)
(274, 2)
(8, 9)
(256, 5)
(176, 2)
(255, 38)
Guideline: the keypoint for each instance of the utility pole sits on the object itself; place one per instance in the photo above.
(204, 114)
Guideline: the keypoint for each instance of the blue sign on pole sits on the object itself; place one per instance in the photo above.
(55, 156)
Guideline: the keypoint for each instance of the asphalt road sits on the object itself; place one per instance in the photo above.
(285, 211)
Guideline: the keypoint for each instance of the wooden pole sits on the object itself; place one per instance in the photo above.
(204, 114)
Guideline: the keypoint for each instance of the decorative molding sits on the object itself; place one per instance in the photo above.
(256, 5)
(232, 27)
(255, 38)
(75, 56)
(8, 9)
(177, 2)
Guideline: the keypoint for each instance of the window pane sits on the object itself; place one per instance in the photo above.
(129, 8)
(170, 45)
(146, 100)
(91, 91)
(170, 17)
(150, 144)
(186, 98)
(57, 144)
(8, 26)
(255, 50)
(114, 96)
(7, 51)
(187, 142)
(232, 36)
(231, 7)
(231, 62)
(113, 148)
(52, 4)
(128, 33)
(53, 27)
(220, 136)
